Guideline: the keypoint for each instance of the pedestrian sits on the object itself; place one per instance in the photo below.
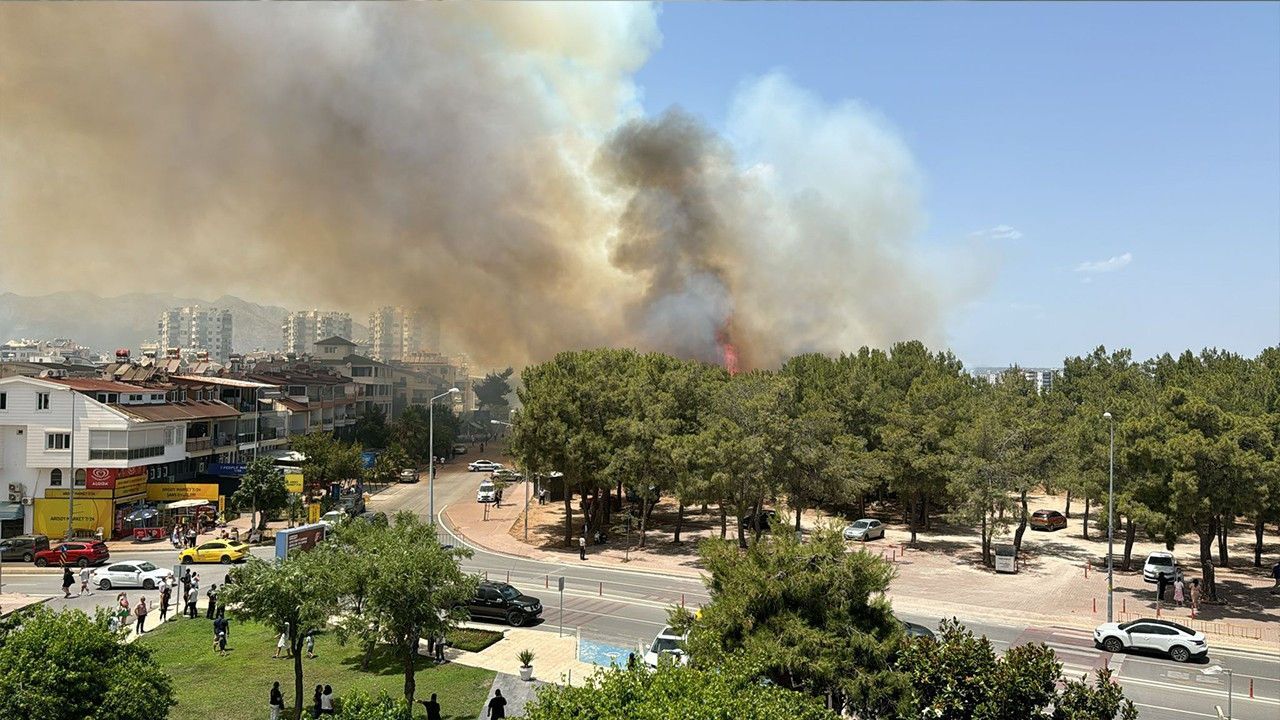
(582, 547)
(67, 581)
(481, 447)
(440, 642)
(191, 536)
(189, 608)
(1178, 588)
(212, 594)
(220, 635)
(165, 593)
(311, 644)
(84, 581)
(1275, 573)
(431, 645)
(1161, 583)
(315, 710)
(432, 707)
(277, 700)
(326, 701)
(1195, 593)
(186, 583)
(631, 661)
(497, 706)
(235, 534)
(282, 642)
(140, 612)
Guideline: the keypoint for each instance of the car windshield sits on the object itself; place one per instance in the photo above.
(1160, 560)
(508, 592)
(146, 567)
(664, 644)
(486, 487)
(1131, 623)
(861, 524)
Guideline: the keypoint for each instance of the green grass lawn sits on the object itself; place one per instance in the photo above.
(235, 687)
(472, 639)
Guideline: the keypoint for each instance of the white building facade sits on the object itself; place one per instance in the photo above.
(196, 328)
(302, 328)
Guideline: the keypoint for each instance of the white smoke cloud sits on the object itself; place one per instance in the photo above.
(1111, 264)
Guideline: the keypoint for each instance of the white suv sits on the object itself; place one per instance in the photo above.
(1179, 641)
(487, 492)
(1161, 563)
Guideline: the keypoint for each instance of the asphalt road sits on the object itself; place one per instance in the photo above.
(627, 608)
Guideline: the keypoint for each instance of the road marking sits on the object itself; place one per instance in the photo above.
(1216, 692)
(1176, 710)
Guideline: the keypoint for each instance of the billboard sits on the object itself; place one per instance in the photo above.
(108, 478)
(168, 492)
(49, 516)
(293, 482)
(298, 539)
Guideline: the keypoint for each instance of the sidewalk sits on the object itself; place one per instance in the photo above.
(555, 658)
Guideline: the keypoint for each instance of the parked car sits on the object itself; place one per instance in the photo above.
(132, 574)
(215, 551)
(459, 449)
(916, 630)
(667, 643)
(1160, 563)
(864, 529)
(1177, 641)
(78, 552)
(22, 547)
(767, 519)
(333, 517)
(483, 466)
(500, 601)
(408, 475)
(1047, 520)
(487, 492)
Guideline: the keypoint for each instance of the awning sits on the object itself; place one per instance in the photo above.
(145, 513)
(182, 504)
(11, 511)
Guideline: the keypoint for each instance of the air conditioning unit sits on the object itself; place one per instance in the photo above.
(26, 501)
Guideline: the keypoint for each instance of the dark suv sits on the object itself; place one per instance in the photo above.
(500, 601)
(22, 547)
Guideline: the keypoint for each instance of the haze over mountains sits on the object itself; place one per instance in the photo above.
(105, 324)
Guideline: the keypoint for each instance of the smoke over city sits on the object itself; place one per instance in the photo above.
(488, 162)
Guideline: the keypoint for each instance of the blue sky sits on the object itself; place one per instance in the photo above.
(1142, 140)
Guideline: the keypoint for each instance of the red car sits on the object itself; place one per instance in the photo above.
(1048, 520)
(82, 553)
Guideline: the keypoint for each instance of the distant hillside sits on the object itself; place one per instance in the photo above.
(129, 320)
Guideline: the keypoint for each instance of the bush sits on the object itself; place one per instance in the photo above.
(472, 639)
(362, 706)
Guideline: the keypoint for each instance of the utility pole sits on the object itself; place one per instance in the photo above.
(1111, 519)
(71, 496)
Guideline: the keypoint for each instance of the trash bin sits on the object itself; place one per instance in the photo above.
(1006, 559)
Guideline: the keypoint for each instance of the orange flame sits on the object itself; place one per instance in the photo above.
(728, 351)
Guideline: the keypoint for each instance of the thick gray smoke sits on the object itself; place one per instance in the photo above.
(486, 161)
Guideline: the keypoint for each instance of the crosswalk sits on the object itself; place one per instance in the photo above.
(1074, 649)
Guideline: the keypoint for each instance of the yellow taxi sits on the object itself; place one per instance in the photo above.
(215, 551)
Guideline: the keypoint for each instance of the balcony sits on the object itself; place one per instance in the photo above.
(199, 444)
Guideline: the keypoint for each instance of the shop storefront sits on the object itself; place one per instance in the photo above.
(108, 497)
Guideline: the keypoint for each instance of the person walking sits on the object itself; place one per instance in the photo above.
(582, 546)
(311, 644)
(212, 594)
(1195, 594)
(166, 592)
(140, 612)
(220, 635)
(277, 701)
(67, 581)
(191, 536)
(432, 707)
(326, 701)
(1178, 588)
(497, 706)
(282, 642)
(84, 581)
(1162, 583)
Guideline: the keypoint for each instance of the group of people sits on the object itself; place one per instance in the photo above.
(322, 701)
(1182, 593)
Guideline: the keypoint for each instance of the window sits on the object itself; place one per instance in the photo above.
(80, 478)
(55, 478)
(57, 441)
(42, 401)
(4, 400)
(361, 372)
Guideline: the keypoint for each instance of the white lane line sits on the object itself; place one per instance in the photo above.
(1218, 691)
(1176, 710)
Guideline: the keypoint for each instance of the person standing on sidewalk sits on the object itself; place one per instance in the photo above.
(1178, 594)
(440, 643)
(186, 583)
(189, 609)
(84, 581)
(497, 706)
(140, 612)
(582, 546)
(212, 594)
(276, 703)
(166, 592)
(67, 581)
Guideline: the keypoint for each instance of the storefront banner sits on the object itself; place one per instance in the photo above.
(132, 485)
(313, 513)
(293, 482)
(64, 493)
(108, 478)
(49, 517)
(169, 492)
(226, 469)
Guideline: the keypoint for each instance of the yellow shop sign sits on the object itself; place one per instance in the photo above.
(169, 492)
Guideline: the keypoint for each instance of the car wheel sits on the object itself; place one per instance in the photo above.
(516, 618)
(27, 557)
(149, 584)
(226, 559)
(1112, 645)
(186, 559)
(1179, 653)
(83, 562)
(104, 584)
(41, 562)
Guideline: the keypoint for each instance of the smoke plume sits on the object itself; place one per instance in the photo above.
(486, 162)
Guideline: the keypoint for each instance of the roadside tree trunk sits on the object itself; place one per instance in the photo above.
(742, 534)
(1086, 517)
(1257, 542)
(295, 642)
(568, 516)
(644, 516)
(724, 521)
(755, 521)
(1022, 525)
(1223, 528)
(986, 545)
(924, 513)
(1130, 533)
(679, 522)
(799, 511)
(410, 682)
(1207, 535)
(912, 506)
(1067, 512)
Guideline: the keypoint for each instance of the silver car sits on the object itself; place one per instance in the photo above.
(864, 529)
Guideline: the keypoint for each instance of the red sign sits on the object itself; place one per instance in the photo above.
(105, 478)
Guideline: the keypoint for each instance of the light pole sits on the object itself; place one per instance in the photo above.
(431, 449)
(526, 488)
(1219, 670)
(1111, 520)
(71, 495)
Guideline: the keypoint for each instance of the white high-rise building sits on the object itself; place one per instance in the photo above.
(196, 328)
(397, 332)
(302, 328)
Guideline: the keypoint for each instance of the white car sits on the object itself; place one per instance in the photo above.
(333, 517)
(487, 492)
(483, 466)
(1161, 563)
(408, 475)
(130, 574)
(864, 529)
(1177, 641)
(669, 644)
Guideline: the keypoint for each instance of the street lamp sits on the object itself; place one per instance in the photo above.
(526, 488)
(1111, 520)
(431, 448)
(1219, 670)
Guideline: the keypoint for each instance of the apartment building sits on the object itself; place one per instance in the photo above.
(1042, 378)
(302, 328)
(196, 328)
(397, 332)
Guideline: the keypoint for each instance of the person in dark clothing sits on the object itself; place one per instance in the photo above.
(67, 581)
(497, 706)
(186, 584)
(166, 592)
(315, 711)
(277, 700)
(433, 707)
(1161, 584)
(212, 594)
(1275, 573)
